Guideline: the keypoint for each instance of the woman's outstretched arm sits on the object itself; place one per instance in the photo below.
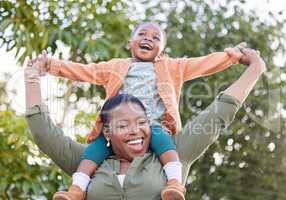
(50, 139)
(32, 86)
(241, 88)
(200, 132)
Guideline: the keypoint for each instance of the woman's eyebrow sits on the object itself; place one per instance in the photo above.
(122, 120)
(141, 117)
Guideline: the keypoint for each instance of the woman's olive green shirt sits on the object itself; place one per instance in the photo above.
(145, 177)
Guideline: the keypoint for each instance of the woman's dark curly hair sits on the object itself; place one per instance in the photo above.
(114, 102)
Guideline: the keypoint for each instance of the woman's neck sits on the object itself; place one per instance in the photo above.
(124, 165)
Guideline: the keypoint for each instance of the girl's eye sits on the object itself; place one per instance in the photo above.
(141, 33)
(156, 38)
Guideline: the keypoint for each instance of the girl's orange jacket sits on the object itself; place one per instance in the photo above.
(171, 73)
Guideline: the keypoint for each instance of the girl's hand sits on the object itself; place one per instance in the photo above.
(236, 51)
(252, 58)
(41, 62)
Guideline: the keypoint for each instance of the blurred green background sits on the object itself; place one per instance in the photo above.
(249, 159)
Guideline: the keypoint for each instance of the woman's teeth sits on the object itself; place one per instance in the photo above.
(137, 141)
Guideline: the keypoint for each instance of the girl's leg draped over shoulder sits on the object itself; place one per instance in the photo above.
(164, 148)
(161, 141)
(97, 151)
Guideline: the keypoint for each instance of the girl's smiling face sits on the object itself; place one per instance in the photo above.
(147, 42)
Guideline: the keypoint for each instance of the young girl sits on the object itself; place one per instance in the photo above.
(153, 78)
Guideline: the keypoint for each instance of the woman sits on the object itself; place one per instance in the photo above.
(128, 131)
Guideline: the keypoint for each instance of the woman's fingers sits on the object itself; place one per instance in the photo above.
(43, 62)
(247, 50)
(32, 61)
(29, 63)
(252, 56)
(31, 72)
(44, 56)
(39, 62)
(251, 51)
(240, 46)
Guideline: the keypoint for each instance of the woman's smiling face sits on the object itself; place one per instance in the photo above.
(128, 130)
(147, 42)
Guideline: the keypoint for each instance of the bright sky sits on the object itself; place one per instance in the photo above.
(8, 63)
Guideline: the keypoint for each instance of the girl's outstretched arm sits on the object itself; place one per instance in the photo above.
(210, 64)
(96, 73)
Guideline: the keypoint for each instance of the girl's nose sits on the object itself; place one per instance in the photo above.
(148, 39)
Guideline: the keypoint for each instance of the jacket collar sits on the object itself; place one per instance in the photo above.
(157, 59)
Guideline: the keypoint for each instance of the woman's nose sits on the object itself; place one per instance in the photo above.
(133, 129)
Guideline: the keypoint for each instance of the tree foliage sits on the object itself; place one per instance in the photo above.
(25, 172)
(86, 26)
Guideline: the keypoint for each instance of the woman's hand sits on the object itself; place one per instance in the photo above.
(252, 58)
(32, 84)
(42, 62)
(31, 73)
(241, 88)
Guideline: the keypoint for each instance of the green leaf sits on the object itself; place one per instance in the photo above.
(45, 40)
(4, 24)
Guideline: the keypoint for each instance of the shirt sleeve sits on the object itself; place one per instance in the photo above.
(206, 65)
(199, 133)
(51, 140)
(96, 73)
